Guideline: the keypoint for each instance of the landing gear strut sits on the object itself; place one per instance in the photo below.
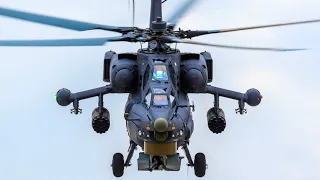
(199, 163)
(118, 163)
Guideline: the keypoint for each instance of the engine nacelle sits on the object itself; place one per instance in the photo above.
(120, 70)
(195, 71)
(100, 120)
(216, 123)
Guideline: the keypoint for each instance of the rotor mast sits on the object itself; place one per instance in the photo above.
(155, 11)
(156, 24)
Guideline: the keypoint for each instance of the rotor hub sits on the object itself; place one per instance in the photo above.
(159, 26)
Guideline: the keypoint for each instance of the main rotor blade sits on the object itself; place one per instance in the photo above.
(174, 39)
(191, 34)
(62, 42)
(59, 22)
(181, 11)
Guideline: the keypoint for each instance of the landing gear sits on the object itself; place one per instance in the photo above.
(168, 163)
(118, 163)
(199, 164)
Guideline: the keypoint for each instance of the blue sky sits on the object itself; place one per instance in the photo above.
(279, 139)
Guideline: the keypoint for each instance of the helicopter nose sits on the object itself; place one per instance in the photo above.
(161, 125)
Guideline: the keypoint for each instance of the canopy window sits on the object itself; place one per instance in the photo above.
(160, 72)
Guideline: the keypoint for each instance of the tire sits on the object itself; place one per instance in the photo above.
(200, 165)
(117, 164)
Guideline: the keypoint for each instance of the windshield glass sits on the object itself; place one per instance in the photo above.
(160, 72)
(160, 100)
(159, 91)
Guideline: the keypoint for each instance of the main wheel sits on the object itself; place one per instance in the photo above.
(117, 164)
(200, 165)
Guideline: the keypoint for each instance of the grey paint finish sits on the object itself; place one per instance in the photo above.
(136, 74)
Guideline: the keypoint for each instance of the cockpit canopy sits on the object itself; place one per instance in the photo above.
(158, 97)
(160, 100)
(160, 72)
(159, 93)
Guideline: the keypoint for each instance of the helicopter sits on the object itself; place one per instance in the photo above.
(158, 79)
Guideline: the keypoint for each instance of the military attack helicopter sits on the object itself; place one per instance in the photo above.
(157, 78)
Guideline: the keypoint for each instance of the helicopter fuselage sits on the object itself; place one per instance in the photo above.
(158, 113)
(158, 93)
